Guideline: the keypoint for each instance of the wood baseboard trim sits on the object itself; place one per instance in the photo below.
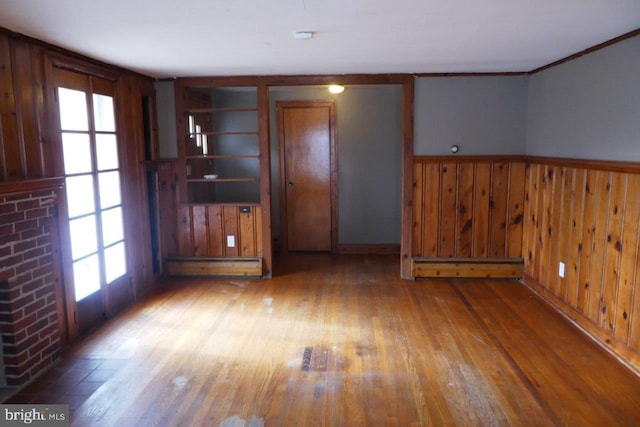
(607, 342)
(369, 249)
(467, 268)
(248, 266)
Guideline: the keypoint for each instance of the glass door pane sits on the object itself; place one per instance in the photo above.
(94, 199)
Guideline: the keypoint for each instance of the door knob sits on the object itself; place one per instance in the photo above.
(290, 184)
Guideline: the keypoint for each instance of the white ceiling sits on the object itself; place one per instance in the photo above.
(167, 38)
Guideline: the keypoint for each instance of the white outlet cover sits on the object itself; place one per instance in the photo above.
(561, 269)
(231, 241)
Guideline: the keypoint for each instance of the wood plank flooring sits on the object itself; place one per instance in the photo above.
(340, 341)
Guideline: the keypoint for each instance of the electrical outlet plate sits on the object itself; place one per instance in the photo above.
(231, 241)
(561, 269)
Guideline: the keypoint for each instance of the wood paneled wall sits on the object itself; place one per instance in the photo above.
(468, 207)
(29, 147)
(203, 230)
(23, 147)
(587, 215)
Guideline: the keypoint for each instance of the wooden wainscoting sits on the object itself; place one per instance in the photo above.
(203, 230)
(468, 207)
(586, 214)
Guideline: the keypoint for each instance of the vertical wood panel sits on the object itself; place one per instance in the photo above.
(27, 98)
(230, 226)
(447, 217)
(531, 215)
(603, 193)
(418, 209)
(167, 213)
(464, 209)
(586, 249)
(539, 224)
(482, 194)
(247, 233)
(216, 243)
(431, 227)
(516, 210)
(556, 228)
(185, 245)
(258, 218)
(498, 210)
(39, 86)
(574, 245)
(595, 225)
(9, 137)
(200, 230)
(564, 230)
(545, 215)
(628, 311)
(613, 249)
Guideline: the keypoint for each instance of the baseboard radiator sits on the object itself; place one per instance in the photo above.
(467, 268)
(192, 266)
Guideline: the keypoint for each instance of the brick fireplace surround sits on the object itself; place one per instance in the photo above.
(29, 274)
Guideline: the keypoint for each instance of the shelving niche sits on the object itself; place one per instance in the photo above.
(221, 145)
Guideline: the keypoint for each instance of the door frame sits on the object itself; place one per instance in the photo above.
(333, 172)
(121, 286)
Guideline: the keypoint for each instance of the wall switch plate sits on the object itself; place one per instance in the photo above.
(231, 241)
(561, 269)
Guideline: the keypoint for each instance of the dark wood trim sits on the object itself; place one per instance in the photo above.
(333, 123)
(613, 41)
(369, 249)
(10, 188)
(81, 66)
(295, 80)
(603, 165)
(265, 179)
(615, 348)
(474, 159)
(408, 94)
(344, 79)
(487, 74)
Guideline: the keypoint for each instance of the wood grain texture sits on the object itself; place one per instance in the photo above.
(203, 231)
(380, 351)
(589, 221)
(468, 268)
(468, 207)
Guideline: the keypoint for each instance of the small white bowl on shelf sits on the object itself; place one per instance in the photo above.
(211, 176)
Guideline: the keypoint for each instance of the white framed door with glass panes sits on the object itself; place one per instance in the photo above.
(93, 225)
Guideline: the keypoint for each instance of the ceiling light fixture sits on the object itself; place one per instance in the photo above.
(303, 35)
(336, 88)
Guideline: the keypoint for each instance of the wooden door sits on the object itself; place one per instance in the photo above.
(308, 175)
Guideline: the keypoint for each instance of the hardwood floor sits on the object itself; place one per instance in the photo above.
(340, 341)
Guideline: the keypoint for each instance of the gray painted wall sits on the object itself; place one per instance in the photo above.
(482, 115)
(236, 192)
(369, 159)
(588, 107)
(166, 115)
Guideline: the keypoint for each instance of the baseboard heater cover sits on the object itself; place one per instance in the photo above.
(196, 266)
(467, 268)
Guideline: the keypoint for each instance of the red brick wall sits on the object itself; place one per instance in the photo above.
(28, 311)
